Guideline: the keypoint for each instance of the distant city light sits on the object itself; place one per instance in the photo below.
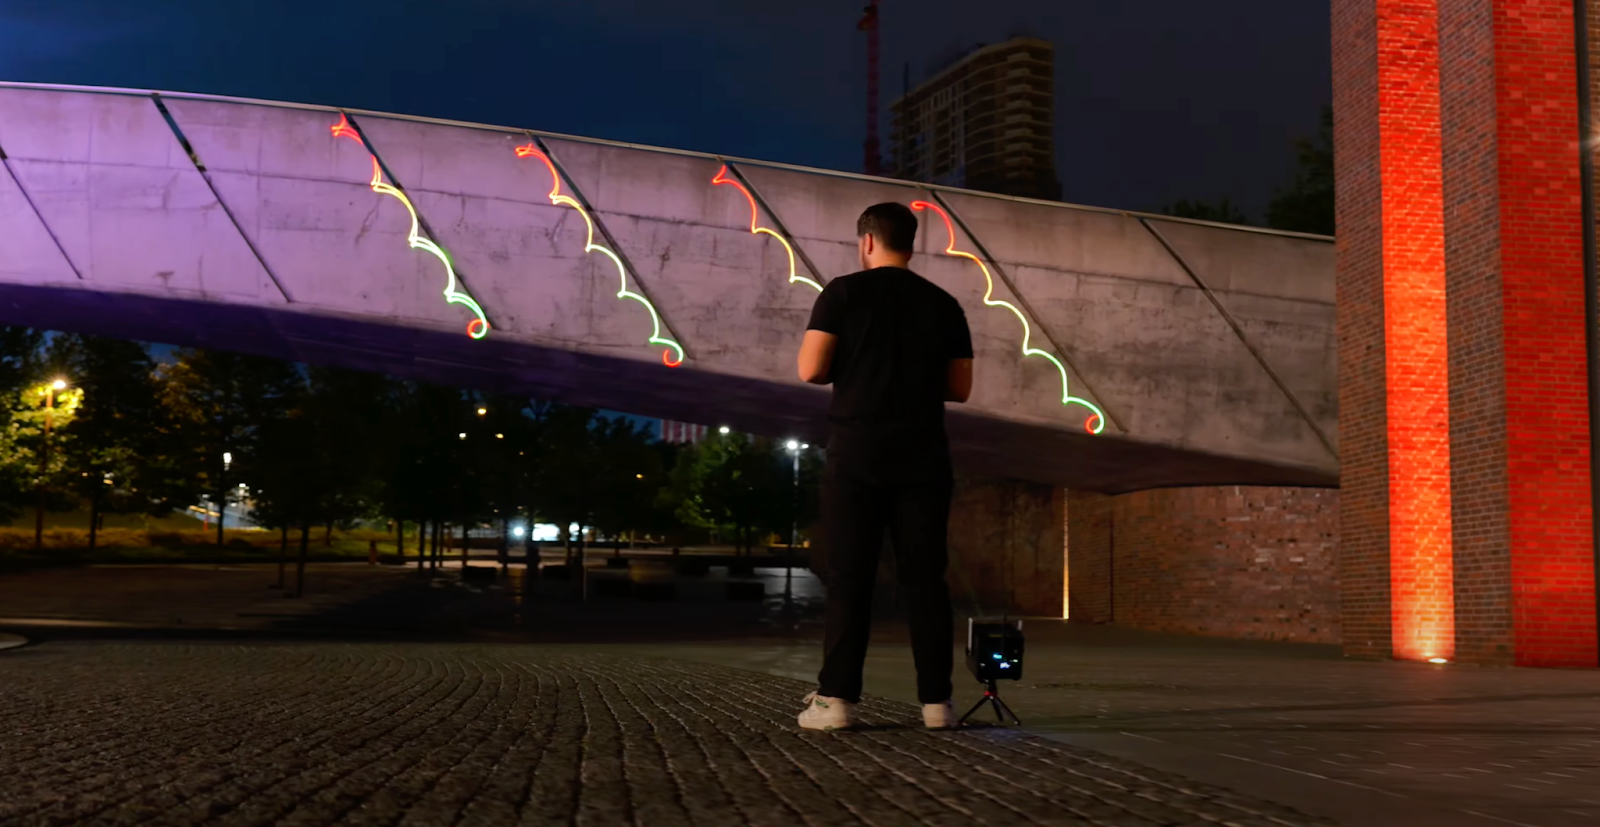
(463, 435)
(499, 436)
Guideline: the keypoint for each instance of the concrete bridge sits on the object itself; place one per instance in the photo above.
(1115, 351)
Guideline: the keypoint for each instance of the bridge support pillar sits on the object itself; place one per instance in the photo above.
(1464, 342)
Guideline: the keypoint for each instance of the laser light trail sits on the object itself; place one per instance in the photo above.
(1096, 422)
(722, 178)
(477, 328)
(557, 197)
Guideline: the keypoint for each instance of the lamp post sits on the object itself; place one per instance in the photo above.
(44, 459)
(795, 447)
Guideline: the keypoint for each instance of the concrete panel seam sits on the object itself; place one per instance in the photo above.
(1243, 337)
(422, 220)
(194, 158)
(767, 208)
(611, 240)
(26, 196)
(1066, 356)
(559, 136)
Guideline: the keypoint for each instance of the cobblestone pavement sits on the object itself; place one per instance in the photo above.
(122, 733)
(1367, 743)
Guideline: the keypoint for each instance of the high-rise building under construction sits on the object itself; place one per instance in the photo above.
(983, 121)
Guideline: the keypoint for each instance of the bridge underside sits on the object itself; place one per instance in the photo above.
(984, 446)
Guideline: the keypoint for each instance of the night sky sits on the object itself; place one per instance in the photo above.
(1157, 100)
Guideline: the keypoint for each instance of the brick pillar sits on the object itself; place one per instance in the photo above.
(1518, 352)
(1395, 563)
(1463, 359)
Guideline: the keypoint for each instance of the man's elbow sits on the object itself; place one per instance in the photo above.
(813, 374)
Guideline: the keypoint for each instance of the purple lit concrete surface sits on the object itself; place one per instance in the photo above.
(268, 239)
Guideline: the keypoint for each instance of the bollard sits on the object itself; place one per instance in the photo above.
(372, 552)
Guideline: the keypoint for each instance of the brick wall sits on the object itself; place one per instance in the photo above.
(1243, 562)
(1088, 541)
(1456, 133)
(1477, 364)
(1363, 424)
(1541, 271)
(1416, 355)
(1006, 541)
(1519, 420)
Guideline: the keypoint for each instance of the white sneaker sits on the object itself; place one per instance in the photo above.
(939, 716)
(826, 713)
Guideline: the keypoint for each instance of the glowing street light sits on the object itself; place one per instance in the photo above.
(463, 435)
(483, 411)
(44, 459)
(724, 430)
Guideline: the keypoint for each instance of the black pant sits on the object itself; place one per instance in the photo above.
(859, 502)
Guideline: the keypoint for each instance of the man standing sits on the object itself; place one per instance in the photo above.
(895, 347)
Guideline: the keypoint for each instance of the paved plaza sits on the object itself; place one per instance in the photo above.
(438, 734)
(512, 703)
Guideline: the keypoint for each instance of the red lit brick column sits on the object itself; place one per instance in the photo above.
(1395, 564)
(1519, 403)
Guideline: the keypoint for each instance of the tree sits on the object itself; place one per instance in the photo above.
(1307, 204)
(628, 474)
(731, 483)
(1223, 211)
(110, 448)
(34, 455)
(218, 402)
(19, 367)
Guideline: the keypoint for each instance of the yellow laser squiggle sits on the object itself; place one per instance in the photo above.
(1097, 418)
(477, 328)
(557, 197)
(722, 178)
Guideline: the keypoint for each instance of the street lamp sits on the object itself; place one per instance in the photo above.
(795, 446)
(724, 430)
(483, 411)
(44, 459)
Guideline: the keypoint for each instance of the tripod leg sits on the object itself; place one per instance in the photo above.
(1001, 705)
(975, 707)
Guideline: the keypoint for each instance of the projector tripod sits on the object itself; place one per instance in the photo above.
(991, 696)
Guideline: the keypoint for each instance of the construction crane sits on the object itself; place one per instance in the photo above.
(869, 24)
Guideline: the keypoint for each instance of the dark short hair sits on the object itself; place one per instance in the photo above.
(893, 224)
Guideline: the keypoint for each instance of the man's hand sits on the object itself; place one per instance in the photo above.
(959, 386)
(816, 357)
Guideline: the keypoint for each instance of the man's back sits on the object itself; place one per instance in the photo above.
(897, 335)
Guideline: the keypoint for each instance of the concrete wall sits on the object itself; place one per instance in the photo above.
(1232, 561)
(269, 240)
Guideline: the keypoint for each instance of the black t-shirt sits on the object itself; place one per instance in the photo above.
(898, 333)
